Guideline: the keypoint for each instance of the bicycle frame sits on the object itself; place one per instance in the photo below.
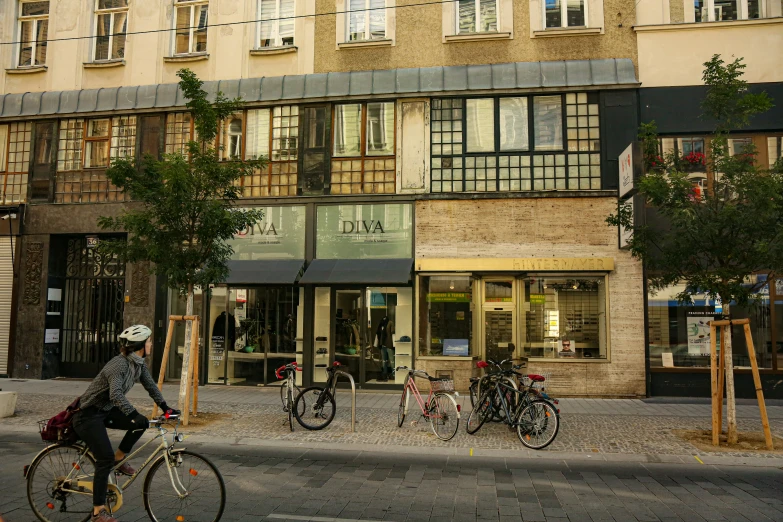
(411, 385)
(524, 401)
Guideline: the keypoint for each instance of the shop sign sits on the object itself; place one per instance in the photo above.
(380, 231)
(498, 300)
(698, 326)
(448, 297)
(630, 168)
(537, 299)
(279, 234)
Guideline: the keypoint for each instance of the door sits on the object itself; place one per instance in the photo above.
(314, 159)
(43, 161)
(382, 330)
(499, 318)
(349, 333)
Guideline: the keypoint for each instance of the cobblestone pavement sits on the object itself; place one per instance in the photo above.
(288, 484)
(591, 428)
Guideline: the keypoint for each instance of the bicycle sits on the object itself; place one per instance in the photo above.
(321, 413)
(476, 383)
(440, 408)
(59, 481)
(535, 417)
(287, 389)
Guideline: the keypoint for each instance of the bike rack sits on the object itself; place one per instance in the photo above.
(353, 395)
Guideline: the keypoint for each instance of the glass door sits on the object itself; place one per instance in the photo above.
(499, 316)
(382, 326)
(349, 338)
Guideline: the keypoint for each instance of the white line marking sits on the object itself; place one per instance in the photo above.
(276, 516)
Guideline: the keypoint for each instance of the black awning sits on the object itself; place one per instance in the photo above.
(358, 271)
(264, 272)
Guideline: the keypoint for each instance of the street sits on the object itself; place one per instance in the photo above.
(279, 483)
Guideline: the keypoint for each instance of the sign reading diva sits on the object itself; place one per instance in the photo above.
(374, 231)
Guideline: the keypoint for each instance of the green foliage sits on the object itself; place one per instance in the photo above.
(713, 242)
(184, 208)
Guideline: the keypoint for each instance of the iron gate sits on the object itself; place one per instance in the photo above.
(93, 307)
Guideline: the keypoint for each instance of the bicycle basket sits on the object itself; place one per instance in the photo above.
(52, 434)
(442, 386)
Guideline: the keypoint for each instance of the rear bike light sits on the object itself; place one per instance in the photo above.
(24, 471)
(180, 518)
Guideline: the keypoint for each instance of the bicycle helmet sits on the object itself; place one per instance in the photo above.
(134, 337)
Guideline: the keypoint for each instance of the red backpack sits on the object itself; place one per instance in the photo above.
(60, 427)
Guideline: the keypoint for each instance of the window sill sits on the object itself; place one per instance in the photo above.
(446, 358)
(196, 57)
(27, 70)
(386, 42)
(104, 64)
(476, 37)
(559, 360)
(268, 51)
(567, 31)
(700, 25)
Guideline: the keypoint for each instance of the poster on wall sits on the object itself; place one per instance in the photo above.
(698, 333)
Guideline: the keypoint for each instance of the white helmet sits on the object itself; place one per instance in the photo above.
(136, 333)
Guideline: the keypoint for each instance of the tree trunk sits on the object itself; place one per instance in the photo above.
(731, 410)
(185, 377)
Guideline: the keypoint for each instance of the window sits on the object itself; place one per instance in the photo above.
(565, 13)
(477, 16)
(280, 177)
(446, 316)
(230, 138)
(33, 33)
(69, 153)
(486, 144)
(774, 149)
(276, 26)
(191, 24)
(123, 137)
(96, 143)
(363, 153)
(179, 131)
(111, 26)
(366, 20)
(565, 317)
(723, 10)
(15, 143)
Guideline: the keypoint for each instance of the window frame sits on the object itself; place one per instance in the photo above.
(367, 31)
(111, 12)
(564, 16)
(94, 140)
(477, 6)
(193, 5)
(278, 41)
(742, 11)
(35, 19)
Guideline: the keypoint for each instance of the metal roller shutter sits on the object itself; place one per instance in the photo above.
(6, 289)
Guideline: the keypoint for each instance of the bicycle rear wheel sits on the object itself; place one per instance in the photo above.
(538, 424)
(444, 416)
(314, 408)
(204, 495)
(481, 412)
(48, 492)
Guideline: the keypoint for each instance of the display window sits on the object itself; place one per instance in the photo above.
(446, 316)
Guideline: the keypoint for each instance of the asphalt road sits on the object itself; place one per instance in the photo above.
(268, 483)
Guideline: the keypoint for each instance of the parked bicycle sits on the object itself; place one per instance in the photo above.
(440, 408)
(59, 481)
(320, 400)
(289, 390)
(476, 383)
(535, 418)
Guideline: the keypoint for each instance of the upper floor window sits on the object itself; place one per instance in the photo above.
(565, 13)
(33, 33)
(111, 27)
(191, 19)
(366, 20)
(774, 150)
(722, 10)
(94, 143)
(276, 26)
(477, 16)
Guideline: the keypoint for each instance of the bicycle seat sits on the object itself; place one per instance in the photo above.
(482, 364)
(536, 378)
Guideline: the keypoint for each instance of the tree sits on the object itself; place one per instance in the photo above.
(184, 207)
(712, 241)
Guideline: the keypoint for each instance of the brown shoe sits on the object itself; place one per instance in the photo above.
(125, 469)
(103, 516)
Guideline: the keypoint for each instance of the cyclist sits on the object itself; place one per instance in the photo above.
(104, 405)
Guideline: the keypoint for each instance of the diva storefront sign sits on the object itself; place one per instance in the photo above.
(379, 231)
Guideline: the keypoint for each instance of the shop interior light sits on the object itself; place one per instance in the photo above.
(451, 285)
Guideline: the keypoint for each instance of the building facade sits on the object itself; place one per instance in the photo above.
(671, 94)
(438, 181)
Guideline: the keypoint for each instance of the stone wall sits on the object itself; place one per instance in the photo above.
(551, 227)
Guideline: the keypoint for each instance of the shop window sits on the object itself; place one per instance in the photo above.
(363, 150)
(679, 333)
(774, 150)
(191, 20)
(276, 23)
(445, 316)
(179, 131)
(15, 142)
(33, 33)
(565, 318)
(111, 26)
(497, 151)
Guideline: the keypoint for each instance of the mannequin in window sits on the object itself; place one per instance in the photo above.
(383, 340)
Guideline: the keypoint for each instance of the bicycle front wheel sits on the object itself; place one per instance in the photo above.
(314, 408)
(403, 405)
(538, 424)
(283, 390)
(52, 484)
(444, 416)
(481, 412)
(195, 491)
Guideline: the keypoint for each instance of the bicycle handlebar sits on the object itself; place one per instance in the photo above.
(290, 367)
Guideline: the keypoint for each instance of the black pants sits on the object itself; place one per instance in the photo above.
(90, 425)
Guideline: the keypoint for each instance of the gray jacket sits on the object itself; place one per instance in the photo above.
(119, 375)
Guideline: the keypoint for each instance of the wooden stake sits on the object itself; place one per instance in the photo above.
(195, 370)
(164, 362)
(186, 402)
(714, 387)
(757, 382)
(721, 379)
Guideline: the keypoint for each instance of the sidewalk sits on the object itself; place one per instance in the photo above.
(596, 429)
